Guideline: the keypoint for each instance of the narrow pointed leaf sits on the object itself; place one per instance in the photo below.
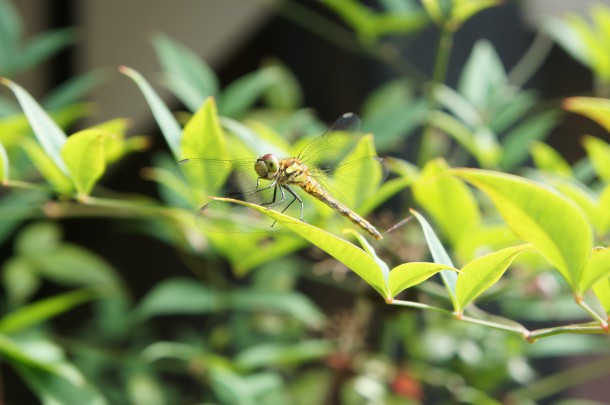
(60, 182)
(50, 136)
(42, 310)
(169, 126)
(409, 274)
(350, 255)
(4, 165)
(439, 254)
(553, 224)
(85, 156)
(480, 274)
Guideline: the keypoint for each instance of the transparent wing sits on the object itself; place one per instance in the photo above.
(236, 179)
(329, 148)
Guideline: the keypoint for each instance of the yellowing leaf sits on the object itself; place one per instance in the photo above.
(84, 154)
(553, 224)
(603, 209)
(480, 274)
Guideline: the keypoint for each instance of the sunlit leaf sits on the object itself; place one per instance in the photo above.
(602, 292)
(202, 136)
(598, 109)
(463, 10)
(603, 223)
(599, 153)
(480, 274)
(409, 274)
(547, 158)
(597, 268)
(47, 168)
(533, 213)
(85, 156)
(348, 254)
(448, 200)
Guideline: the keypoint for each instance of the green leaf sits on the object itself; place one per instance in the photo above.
(166, 121)
(596, 269)
(439, 254)
(178, 296)
(38, 239)
(240, 95)
(515, 144)
(482, 76)
(554, 225)
(599, 153)
(463, 10)
(20, 280)
(409, 274)
(293, 304)
(597, 109)
(43, 368)
(448, 200)
(285, 92)
(4, 165)
(47, 168)
(144, 389)
(434, 10)
(350, 255)
(282, 354)
(603, 216)
(73, 90)
(578, 193)
(182, 65)
(50, 136)
(602, 292)
(10, 35)
(45, 45)
(43, 310)
(85, 156)
(202, 136)
(547, 158)
(480, 274)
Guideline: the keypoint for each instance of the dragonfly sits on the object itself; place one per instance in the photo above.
(275, 183)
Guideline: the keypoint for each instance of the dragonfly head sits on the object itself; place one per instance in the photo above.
(267, 166)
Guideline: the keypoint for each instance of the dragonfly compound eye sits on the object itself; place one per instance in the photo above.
(267, 166)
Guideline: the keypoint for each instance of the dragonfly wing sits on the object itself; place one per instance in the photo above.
(220, 178)
(330, 148)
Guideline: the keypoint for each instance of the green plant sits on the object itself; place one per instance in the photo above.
(521, 254)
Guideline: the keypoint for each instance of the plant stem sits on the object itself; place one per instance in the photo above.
(545, 387)
(441, 63)
(531, 60)
(602, 321)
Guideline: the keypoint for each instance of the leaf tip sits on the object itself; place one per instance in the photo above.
(5, 81)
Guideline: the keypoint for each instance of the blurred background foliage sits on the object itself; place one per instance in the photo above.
(110, 294)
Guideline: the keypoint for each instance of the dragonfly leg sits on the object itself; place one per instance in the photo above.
(274, 201)
(296, 197)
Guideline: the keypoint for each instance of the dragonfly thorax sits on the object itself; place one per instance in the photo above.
(267, 166)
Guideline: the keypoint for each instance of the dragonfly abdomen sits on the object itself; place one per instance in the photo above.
(313, 188)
